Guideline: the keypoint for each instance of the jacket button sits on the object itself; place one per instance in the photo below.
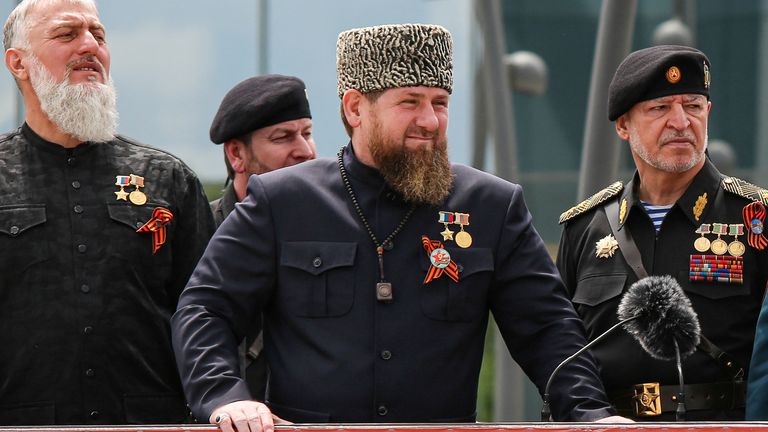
(78, 209)
(460, 268)
(14, 230)
(386, 354)
(82, 248)
(382, 410)
(76, 184)
(139, 224)
(70, 161)
(317, 262)
(85, 288)
(94, 414)
(88, 330)
(90, 372)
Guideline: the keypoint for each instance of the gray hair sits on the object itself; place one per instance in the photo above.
(16, 29)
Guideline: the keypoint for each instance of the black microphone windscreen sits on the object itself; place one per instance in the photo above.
(664, 314)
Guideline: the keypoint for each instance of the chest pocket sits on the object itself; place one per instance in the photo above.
(443, 299)
(129, 218)
(596, 289)
(21, 231)
(318, 277)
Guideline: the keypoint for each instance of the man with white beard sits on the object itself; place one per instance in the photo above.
(98, 235)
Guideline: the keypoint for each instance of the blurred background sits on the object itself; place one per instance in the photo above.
(528, 104)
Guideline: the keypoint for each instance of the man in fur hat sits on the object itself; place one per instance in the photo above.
(377, 270)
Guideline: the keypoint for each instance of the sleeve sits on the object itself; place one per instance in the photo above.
(194, 229)
(566, 265)
(757, 383)
(228, 288)
(538, 322)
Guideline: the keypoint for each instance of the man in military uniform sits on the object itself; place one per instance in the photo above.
(98, 235)
(686, 220)
(374, 284)
(264, 123)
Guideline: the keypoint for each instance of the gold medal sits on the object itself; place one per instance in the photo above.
(736, 248)
(719, 247)
(463, 239)
(701, 244)
(137, 197)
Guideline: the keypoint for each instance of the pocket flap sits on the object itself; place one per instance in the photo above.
(469, 261)
(16, 219)
(131, 215)
(317, 257)
(595, 289)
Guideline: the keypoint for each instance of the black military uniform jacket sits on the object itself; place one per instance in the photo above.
(223, 206)
(726, 311)
(335, 353)
(86, 303)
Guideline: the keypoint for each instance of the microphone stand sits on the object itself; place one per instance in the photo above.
(680, 412)
(546, 413)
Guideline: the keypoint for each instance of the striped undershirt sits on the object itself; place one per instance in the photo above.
(656, 213)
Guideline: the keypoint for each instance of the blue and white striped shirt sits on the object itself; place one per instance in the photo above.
(656, 213)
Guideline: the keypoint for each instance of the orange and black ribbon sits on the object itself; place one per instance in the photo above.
(754, 220)
(161, 216)
(451, 269)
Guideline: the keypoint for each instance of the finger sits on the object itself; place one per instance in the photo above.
(265, 417)
(224, 421)
(278, 421)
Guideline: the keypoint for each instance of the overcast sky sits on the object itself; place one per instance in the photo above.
(173, 61)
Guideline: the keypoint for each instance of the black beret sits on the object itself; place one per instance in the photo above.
(259, 102)
(655, 72)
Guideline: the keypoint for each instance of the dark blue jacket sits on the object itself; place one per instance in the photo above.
(296, 249)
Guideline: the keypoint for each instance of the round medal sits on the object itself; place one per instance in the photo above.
(463, 239)
(440, 258)
(701, 244)
(137, 197)
(736, 248)
(719, 247)
(756, 226)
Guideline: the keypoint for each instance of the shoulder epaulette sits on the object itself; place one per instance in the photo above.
(592, 201)
(745, 189)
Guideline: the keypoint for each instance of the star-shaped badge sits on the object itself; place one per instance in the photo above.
(447, 234)
(606, 246)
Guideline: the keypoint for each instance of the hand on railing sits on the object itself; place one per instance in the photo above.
(245, 416)
(614, 419)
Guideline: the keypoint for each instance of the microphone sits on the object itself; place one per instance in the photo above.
(666, 327)
(657, 313)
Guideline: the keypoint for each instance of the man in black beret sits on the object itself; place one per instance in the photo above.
(678, 216)
(264, 123)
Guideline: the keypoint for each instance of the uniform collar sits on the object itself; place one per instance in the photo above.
(359, 170)
(695, 202)
(50, 147)
(228, 198)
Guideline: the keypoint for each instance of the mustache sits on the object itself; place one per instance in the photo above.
(675, 135)
(85, 60)
(421, 133)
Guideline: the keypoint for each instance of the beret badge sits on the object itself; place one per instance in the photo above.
(673, 75)
(707, 76)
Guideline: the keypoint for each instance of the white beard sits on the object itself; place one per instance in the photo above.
(86, 111)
